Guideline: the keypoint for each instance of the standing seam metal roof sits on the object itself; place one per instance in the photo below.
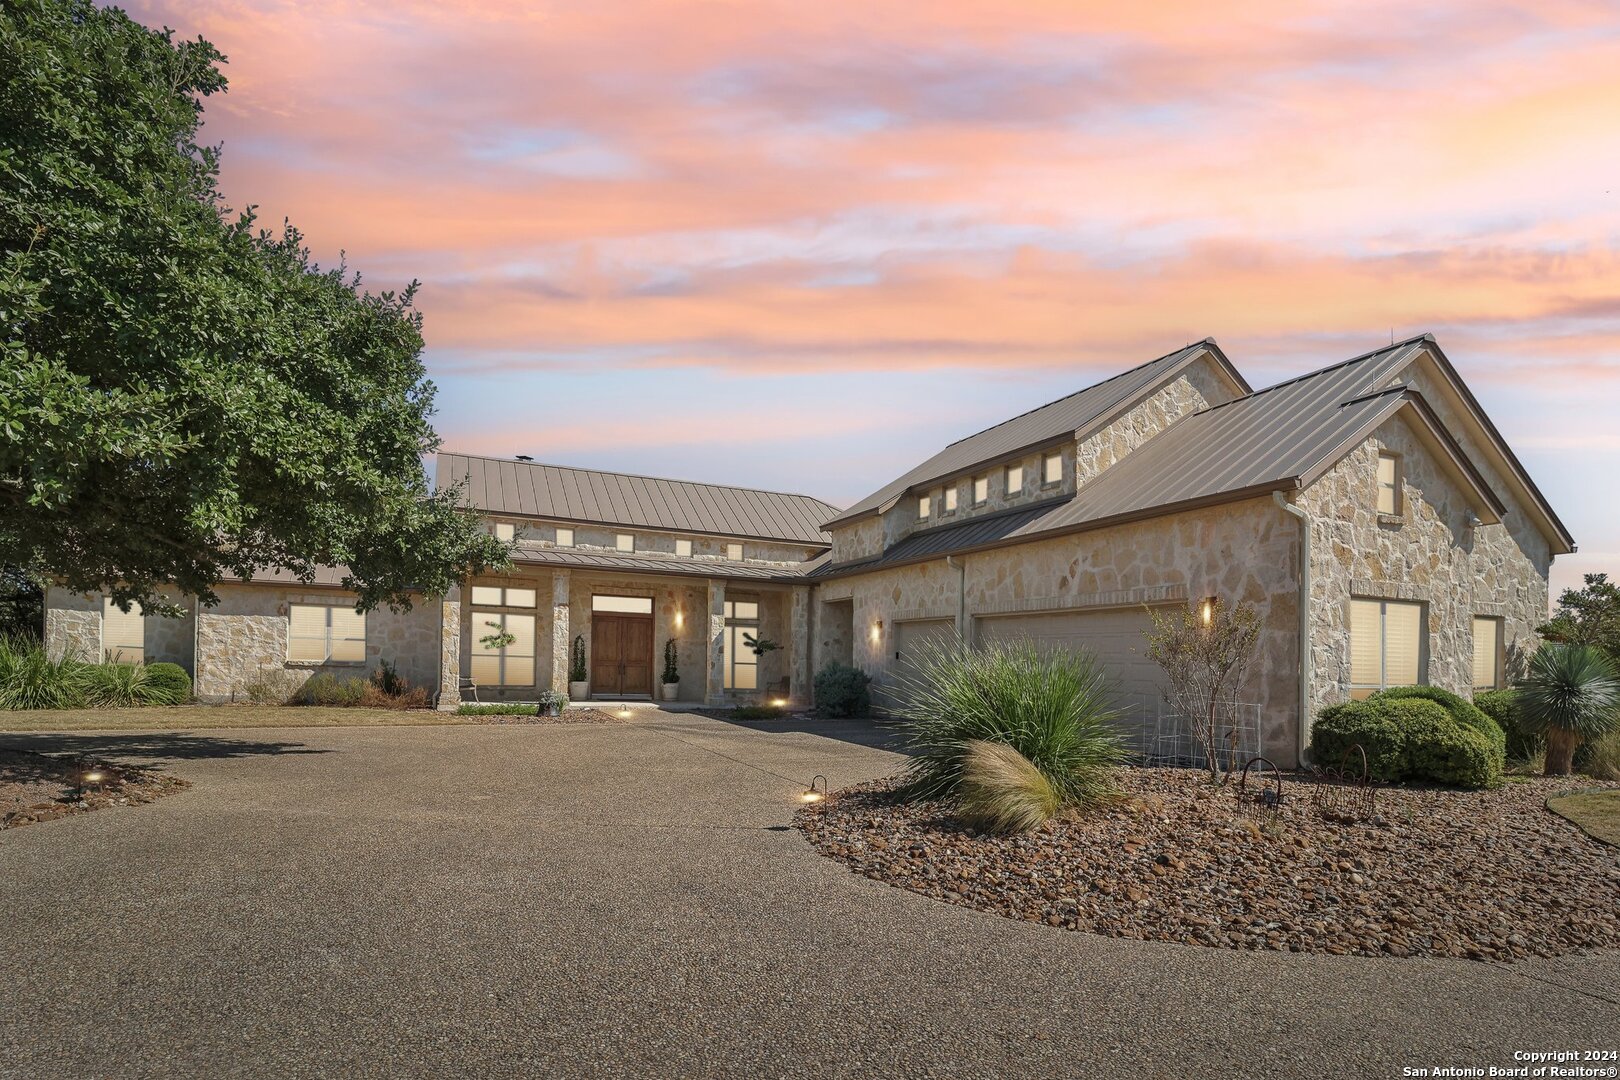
(590, 496)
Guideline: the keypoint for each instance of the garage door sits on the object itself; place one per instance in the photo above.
(1114, 636)
(907, 637)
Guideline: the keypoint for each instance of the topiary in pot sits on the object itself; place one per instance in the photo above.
(1570, 693)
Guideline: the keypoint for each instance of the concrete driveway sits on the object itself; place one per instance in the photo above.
(625, 901)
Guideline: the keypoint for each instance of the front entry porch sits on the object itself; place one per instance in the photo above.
(733, 641)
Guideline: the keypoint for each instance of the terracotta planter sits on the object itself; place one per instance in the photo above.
(671, 691)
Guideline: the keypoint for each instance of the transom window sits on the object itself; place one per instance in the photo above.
(123, 633)
(625, 542)
(741, 665)
(925, 506)
(1015, 479)
(502, 648)
(322, 634)
(622, 605)
(1389, 484)
(1487, 653)
(565, 537)
(981, 490)
(1386, 645)
(950, 500)
(496, 596)
(1052, 469)
(504, 530)
(683, 548)
(734, 552)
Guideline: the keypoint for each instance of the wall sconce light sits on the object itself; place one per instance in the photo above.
(877, 631)
(680, 618)
(1206, 611)
(811, 794)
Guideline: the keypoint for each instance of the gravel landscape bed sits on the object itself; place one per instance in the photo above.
(38, 787)
(1486, 875)
(569, 716)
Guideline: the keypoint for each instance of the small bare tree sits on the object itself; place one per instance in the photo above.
(1204, 651)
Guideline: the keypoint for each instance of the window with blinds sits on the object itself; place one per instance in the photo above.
(1487, 653)
(321, 634)
(502, 649)
(1386, 645)
(1389, 484)
(123, 633)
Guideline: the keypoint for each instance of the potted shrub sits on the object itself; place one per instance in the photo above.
(672, 676)
(578, 684)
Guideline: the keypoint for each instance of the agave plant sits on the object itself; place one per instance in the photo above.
(1570, 693)
(1053, 707)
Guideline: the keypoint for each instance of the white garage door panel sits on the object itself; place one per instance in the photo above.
(1115, 636)
(907, 637)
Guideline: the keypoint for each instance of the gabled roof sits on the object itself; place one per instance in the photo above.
(589, 496)
(1280, 439)
(1066, 418)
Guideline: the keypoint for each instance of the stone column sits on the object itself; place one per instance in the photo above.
(450, 651)
(716, 689)
(799, 642)
(561, 585)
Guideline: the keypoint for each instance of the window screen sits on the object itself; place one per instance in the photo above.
(683, 548)
(1015, 479)
(624, 605)
(497, 664)
(565, 537)
(734, 552)
(950, 499)
(981, 489)
(1052, 469)
(625, 542)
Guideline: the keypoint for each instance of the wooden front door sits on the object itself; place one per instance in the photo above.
(621, 655)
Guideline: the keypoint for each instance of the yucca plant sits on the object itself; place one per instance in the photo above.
(1054, 707)
(1002, 791)
(1570, 693)
(30, 679)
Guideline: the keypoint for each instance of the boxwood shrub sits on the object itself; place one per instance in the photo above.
(169, 682)
(1503, 707)
(842, 690)
(1407, 738)
(1462, 710)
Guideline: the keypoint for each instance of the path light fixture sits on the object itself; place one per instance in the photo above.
(624, 710)
(811, 794)
(780, 702)
(91, 774)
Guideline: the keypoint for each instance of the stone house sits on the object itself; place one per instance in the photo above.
(1370, 512)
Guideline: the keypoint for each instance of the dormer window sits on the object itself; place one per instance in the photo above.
(925, 507)
(950, 500)
(565, 537)
(683, 548)
(1052, 469)
(734, 552)
(981, 490)
(1015, 479)
(1389, 484)
(504, 531)
(625, 541)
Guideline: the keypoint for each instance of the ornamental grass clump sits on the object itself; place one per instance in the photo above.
(1055, 708)
(1569, 695)
(30, 679)
(1002, 791)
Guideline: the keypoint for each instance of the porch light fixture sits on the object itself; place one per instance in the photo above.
(811, 794)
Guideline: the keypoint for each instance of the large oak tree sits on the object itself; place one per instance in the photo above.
(183, 396)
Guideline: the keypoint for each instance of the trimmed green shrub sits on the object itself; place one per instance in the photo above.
(1407, 738)
(1055, 707)
(758, 712)
(497, 709)
(1503, 707)
(169, 684)
(1002, 791)
(1463, 711)
(842, 690)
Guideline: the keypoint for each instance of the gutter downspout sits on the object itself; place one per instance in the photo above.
(1304, 620)
(961, 597)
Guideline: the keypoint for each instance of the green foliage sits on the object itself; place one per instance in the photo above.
(497, 638)
(1569, 695)
(759, 645)
(1502, 706)
(169, 683)
(1466, 713)
(842, 690)
(1407, 738)
(553, 701)
(22, 603)
(1588, 616)
(30, 679)
(185, 397)
(1600, 757)
(672, 673)
(498, 709)
(118, 686)
(758, 712)
(388, 680)
(1002, 791)
(1053, 707)
(576, 660)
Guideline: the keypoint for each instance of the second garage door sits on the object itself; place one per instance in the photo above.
(908, 636)
(1114, 635)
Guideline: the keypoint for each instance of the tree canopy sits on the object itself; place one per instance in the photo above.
(185, 397)
(1587, 616)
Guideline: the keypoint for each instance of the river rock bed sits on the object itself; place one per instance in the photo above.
(39, 787)
(1486, 875)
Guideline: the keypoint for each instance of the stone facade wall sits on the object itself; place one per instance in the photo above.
(1196, 388)
(1428, 553)
(73, 628)
(1244, 551)
(858, 540)
(242, 642)
(543, 534)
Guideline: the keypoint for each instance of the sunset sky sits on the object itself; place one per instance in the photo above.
(802, 245)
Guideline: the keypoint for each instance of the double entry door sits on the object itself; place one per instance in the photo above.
(621, 655)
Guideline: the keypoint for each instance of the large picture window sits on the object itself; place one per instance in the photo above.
(1386, 645)
(742, 666)
(502, 648)
(325, 634)
(123, 633)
